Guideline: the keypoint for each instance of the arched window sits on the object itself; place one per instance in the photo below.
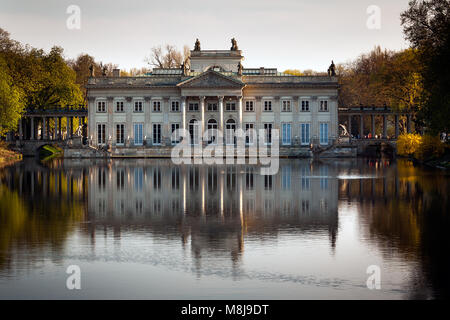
(230, 127)
(212, 131)
(194, 131)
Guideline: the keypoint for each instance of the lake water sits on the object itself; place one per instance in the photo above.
(150, 229)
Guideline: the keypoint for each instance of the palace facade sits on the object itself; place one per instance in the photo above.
(216, 92)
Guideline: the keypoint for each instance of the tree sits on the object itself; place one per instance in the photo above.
(401, 81)
(294, 72)
(44, 79)
(11, 101)
(57, 83)
(382, 77)
(133, 72)
(81, 67)
(426, 25)
(169, 57)
(360, 79)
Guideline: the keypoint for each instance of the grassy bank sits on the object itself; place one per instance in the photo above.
(427, 150)
(7, 156)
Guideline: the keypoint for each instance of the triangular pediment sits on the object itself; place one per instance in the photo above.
(212, 79)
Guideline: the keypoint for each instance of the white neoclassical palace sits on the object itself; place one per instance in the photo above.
(216, 92)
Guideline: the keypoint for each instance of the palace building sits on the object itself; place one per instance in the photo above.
(215, 92)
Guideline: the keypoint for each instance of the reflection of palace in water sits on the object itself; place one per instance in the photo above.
(213, 206)
(218, 210)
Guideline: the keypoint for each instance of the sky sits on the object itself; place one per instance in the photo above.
(283, 34)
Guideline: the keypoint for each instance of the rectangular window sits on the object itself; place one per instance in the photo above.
(268, 131)
(175, 133)
(212, 106)
(249, 106)
(101, 133)
(305, 105)
(267, 105)
(193, 106)
(156, 106)
(156, 133)
(286, 132)
(305, 131)
(323, 106)
(324, 133)
(119, 106)
(175, 106)
(138, 134)
(230, 106)
(249, 138)
(138, 106)
(120, 133)
(286, 106)
(101, 106)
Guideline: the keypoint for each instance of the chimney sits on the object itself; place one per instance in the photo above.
(116, 73)
(261, 70)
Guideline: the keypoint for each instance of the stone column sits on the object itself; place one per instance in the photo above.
(183, 110)
(296, 106)
(277, 117)
(408, 123)
(221, 113)
(148, 117)
(372, 120)
(32, 131)
(91, 131)
(44, 129)
(165, 129)
(239, 112)
(361, 126)
(69, 125)
(349, 126)
(314, 129)
(396, 126)
(384, 126)
(277, 113)
(110, 125)
(202, 110)
(55, 132)
(21, 129)
(59, 128)
(258, 111)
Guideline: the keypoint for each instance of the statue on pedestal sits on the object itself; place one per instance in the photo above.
(91, 70)
(240, 68)
(104, 71)
(234, 46)
(184, 67)
(197, 45)
(332, 70)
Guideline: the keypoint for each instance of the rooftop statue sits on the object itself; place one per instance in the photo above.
(234, 46)
(240, 68)
(91, 70)
(104, 71)
(197, 45)
(332, 70)
(184, 67)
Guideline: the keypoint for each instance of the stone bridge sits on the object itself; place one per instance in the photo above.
(45, 127)
(363, 136)
(349, 116)
(375, 147)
